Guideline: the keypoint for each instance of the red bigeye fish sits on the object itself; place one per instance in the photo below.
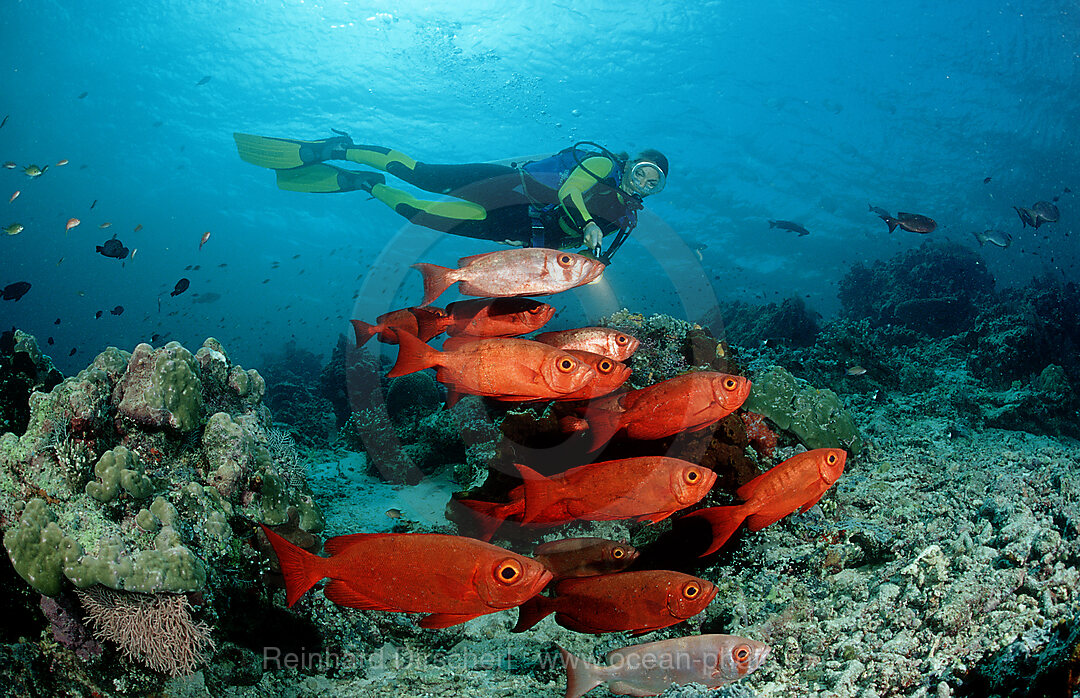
(610, 375)
(599, 340)
(532, 271)
(688, 402)
(651, 668)
(495, 317)
(453, 579)
(584, 557)
(504, 369)
(634, 602)
(647, 488)
(793, 485)
(420, 322)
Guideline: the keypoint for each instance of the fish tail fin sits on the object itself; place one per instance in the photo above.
(364, 332)
(772, 224)
(430, 322)
(486, 517)
(723, 521)
(537, 492)
(532, 612)
(581, 676)
(301, 569)
(436, 280)
(413, 356)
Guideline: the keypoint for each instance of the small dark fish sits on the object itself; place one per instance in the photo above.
(1028, 217)
(986, 181)
(98, 314)
(1046, 211)
(911, 222)
(137, 228)
(994, 237)
(1066, 190)
(113, 248)
(57, 321)
(205, 237)
(15, 291)
(187, 268)
(878, 210)
(72, 352)
(93, 204)
(205, 79)
(789, 225)
(118, 310)
(266, 281)
(83, 95)
(51, 341)
(197, 267)
(181, 286)
(4, 121)
(155, 337)
(296, 256)
(222, 265)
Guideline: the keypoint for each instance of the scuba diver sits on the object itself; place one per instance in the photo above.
(573, 198)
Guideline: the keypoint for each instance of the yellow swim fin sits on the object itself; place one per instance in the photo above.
(326, 179)
(287, 153)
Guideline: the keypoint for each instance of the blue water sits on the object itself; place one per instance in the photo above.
(805, 111)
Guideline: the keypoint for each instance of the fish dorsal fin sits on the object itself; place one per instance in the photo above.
(455, 343)
(466, 261)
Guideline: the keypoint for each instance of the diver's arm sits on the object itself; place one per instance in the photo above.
(581, 179)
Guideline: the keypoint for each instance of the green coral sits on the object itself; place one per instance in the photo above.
(118, 468)
(175, 386)
(817, 417)
(39, 550)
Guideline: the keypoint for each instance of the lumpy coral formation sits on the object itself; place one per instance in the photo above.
(124, 479)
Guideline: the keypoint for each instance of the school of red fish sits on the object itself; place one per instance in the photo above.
(585, 582)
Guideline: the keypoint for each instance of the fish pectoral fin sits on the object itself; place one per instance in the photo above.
(655, 518)
(445, 620)
(344, 595)
(810, 505)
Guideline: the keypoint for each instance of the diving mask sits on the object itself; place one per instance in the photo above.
(645, 178)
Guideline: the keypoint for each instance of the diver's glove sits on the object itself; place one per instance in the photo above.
(593, 237)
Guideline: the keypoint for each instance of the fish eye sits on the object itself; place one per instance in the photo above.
(618, 553)
(730, 384)
(691, 590)
(831, 459)
(622, 340)
(741, 653)
(692, 476)
(508, 571)
(566, 365)
(565, 260)
(606, 366)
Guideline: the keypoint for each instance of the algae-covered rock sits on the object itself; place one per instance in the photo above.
(161, 389)
(39, 550)
(817, 417)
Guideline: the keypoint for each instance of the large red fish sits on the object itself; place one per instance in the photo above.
(424, 323)
(646, 488)
(599, 340)
(688, 402)
(504, 369)
(634, 602)
(453, 579)
(651, 668)
(531, 271)
(793, 485)
(495, 317)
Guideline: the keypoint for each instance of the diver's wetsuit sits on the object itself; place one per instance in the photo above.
(544, 203)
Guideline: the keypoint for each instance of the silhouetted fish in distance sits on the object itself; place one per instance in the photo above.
(789, 225)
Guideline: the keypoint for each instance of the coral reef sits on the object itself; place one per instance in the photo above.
(748, 324)
(296, 393)
(933, 290)
(123, 481)
(23, 370)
